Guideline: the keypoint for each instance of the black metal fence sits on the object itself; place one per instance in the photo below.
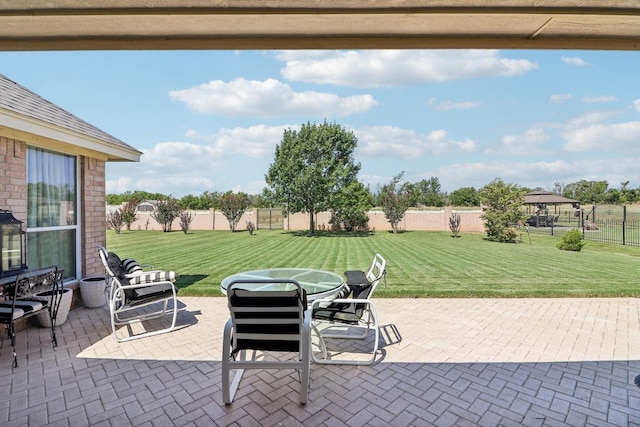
(608, 225)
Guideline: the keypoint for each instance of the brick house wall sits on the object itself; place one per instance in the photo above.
(13, 177)
(94, 225)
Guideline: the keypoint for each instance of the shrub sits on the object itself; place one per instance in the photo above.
(250, 227)
(114, 221)
(129, 213)
(185, 221)
(165, 212)
(571, 241)
(233, 207)
(454, 224)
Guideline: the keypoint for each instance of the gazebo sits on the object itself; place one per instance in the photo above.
(538, 204)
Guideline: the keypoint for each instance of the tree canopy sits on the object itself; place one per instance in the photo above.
(466, 196)
(233, 207)
(165, 212)
(502, 210)
(311, 166)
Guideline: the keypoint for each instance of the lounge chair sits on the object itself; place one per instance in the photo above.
(130, 293)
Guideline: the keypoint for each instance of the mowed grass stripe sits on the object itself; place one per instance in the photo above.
(419, 264)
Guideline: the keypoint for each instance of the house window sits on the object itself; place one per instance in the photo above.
(52, 220)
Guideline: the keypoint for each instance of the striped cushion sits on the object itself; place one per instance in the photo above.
(131, 266)
(23, 307)
(5, 312)
(28, 305)
(344, 292)
(153, 276)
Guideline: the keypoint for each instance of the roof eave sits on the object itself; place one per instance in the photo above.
(105, 150)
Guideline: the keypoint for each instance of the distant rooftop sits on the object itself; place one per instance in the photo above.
(536, 197)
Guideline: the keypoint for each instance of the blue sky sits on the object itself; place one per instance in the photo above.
(210, 120)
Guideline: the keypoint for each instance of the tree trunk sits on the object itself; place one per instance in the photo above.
(312, 226)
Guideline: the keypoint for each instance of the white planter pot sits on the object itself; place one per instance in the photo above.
(63, 311)
(92, 291)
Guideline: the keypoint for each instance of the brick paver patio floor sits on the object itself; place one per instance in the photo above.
(442, 362)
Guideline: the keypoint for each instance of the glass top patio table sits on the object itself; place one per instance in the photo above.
(317, 283)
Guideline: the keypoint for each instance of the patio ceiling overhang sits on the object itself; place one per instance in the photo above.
(318, 24)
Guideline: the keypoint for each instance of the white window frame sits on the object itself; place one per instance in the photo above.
(78, 207)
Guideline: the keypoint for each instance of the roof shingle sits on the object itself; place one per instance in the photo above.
(18, 99)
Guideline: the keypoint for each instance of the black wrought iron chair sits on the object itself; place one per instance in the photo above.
(18, 302)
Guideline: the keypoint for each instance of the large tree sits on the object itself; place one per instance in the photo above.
(350, 208)
(426, 192)
(587, 191)
(465, 196)
(312, 165)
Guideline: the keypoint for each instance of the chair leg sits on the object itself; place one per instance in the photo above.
(323, 346)
(12, 336)
(116, 321)
(234, 385)
(371, 324)
(305, 355)
(229, 388)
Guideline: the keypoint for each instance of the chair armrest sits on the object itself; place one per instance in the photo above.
(150, 277)
(339, 301)
(141, 273)
(226, 335)
(147, 284)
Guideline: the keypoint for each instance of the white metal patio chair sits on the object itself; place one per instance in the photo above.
(129, 294)
(265, 321)
(350, 318)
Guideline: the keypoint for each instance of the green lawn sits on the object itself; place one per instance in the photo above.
(419, 264)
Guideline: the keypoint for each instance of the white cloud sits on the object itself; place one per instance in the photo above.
(177, 179)
(388, 68)
(527, 174)
(530, 141)
(598, 99)
(205, 164)
(255, 141)
(374, 181)
(560, 98)
(450, 105)
(579, 62)
(636, 105)
(589, 118)
(268, 98)
(604, 137)
(395, 142)
(180, 154)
